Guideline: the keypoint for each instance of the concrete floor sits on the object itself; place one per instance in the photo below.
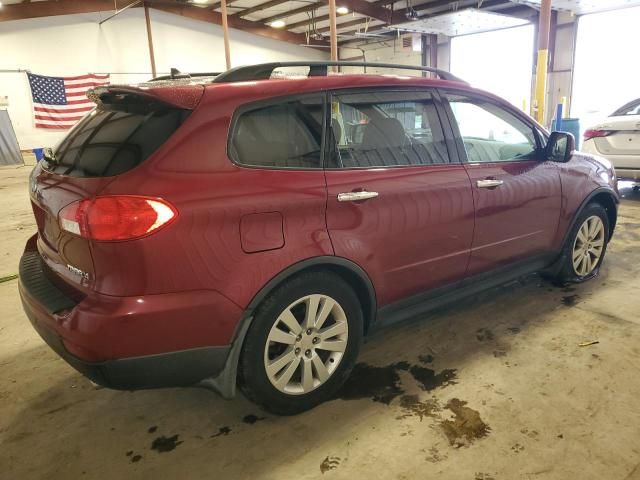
(495, 388)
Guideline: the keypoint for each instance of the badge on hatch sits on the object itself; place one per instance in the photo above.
(78, 272)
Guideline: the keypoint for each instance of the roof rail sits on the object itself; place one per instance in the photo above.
(177, 74)
(263, 71)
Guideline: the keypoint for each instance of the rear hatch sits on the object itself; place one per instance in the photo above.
(128, 125)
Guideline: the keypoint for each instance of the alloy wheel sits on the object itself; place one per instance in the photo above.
(588, 246)
(306, 344)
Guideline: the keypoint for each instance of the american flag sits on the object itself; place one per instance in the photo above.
(59, 102)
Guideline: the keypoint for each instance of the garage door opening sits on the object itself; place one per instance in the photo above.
(500, 62)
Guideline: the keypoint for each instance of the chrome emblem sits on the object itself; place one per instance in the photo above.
(78, 272)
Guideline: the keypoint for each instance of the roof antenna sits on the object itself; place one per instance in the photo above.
(175, 72)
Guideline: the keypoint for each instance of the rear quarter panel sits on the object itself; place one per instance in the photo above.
(202, 249)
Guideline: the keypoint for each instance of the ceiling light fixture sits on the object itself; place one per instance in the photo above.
(342, 10)
(200, 1)
(278, 24)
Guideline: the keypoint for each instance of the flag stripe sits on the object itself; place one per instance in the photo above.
(90, 75)
(68, 111)
(80, 86)
(71, 120)
(73, 105)
(56, 126)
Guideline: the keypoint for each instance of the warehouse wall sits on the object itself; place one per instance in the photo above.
(76, 44)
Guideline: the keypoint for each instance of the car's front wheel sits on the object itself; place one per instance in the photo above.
(302, 344)
(586, 246)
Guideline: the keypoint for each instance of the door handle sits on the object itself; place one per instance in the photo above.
(489, 183)
(356, 196)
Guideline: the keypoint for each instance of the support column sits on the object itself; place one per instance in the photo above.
(152, 56)
(225, 32)
(433, 52)
(543, 58)
(333, 31)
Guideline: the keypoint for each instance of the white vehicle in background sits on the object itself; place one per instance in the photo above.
(618, 139)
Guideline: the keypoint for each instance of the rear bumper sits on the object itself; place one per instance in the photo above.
(627, 166)
(130, 342)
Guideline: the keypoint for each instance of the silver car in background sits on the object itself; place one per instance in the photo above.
(618, 139)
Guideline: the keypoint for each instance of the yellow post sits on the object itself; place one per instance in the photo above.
(543, 58)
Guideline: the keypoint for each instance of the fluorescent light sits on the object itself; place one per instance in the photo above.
(278, 24)
(342, 10)
(199, 1)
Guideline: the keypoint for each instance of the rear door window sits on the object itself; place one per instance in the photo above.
(386, 129)
(286, 134)
(111, 141)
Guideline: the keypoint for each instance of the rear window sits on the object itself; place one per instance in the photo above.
(111, 141)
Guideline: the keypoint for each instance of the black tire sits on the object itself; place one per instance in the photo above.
(253, 379)
(566, 273)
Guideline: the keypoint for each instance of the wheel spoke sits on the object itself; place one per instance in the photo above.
(320, 368)
(290, 321)
(332, 345)
(594, 227)
(312, 311)
(279, 336)
(325, 310)
(279, 363)
(577, 265)
(283, 380)
(583, 233)
(588, 267)
(577, 253)
(307, 375)
(333, 330)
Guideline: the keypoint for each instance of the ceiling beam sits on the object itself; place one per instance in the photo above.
(295, 11)
(433, 8)
(20, 11)
(257, 8)
(324, 18)
(23, 11)
(373, 10)
(257, 28)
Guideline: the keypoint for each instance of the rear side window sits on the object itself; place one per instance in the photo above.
(283, 135)
(109, 142)
(386, 129)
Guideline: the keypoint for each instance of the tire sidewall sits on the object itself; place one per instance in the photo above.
(255, 382)
(568, 273)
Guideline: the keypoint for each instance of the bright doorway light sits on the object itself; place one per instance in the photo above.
(606, 68)
(500, 62)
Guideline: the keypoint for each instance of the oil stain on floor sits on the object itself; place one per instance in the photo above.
(466, 425)
(382, 384)
(329, 463)
(165, 444)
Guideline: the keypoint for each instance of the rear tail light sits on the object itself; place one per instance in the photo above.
(593, 133)
(117, 217)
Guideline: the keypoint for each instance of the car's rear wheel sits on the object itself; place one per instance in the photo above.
(586, 246)
(302, 344)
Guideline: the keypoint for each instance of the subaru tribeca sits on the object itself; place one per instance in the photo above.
(249, 230)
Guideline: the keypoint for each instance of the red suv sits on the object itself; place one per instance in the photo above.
(245, 229)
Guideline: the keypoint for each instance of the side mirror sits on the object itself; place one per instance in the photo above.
(560, 146)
